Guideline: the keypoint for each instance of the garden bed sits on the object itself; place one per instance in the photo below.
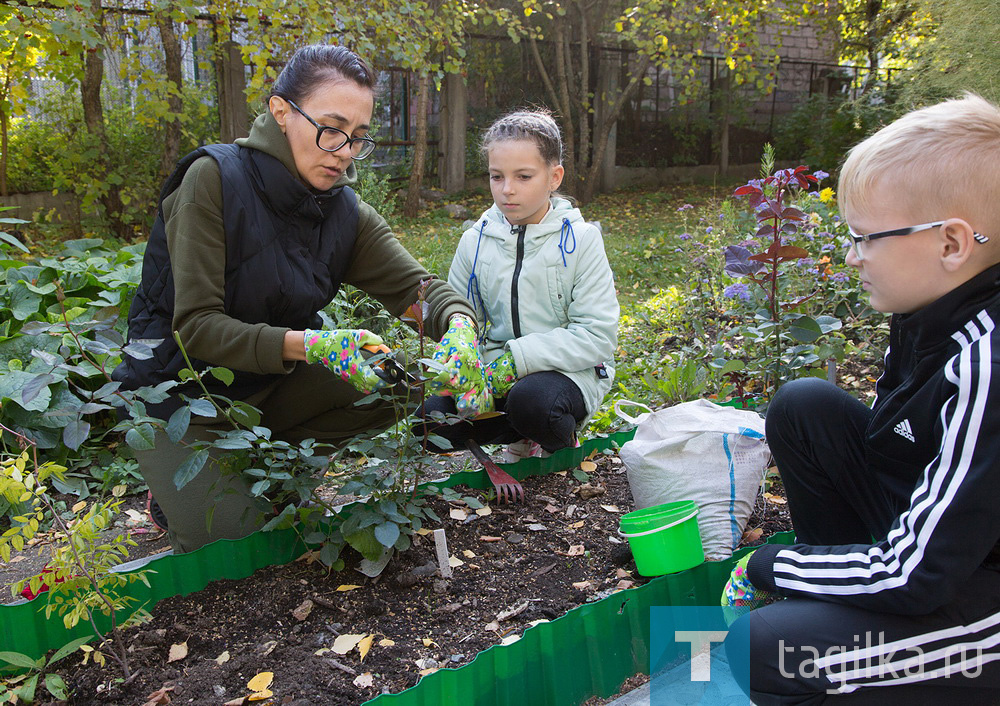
(513, 566)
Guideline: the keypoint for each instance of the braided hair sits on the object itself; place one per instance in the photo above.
(537, 126)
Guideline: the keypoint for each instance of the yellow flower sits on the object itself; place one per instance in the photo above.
(826, 195)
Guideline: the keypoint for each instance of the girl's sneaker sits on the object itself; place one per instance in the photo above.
(525, 448)
(155, 513)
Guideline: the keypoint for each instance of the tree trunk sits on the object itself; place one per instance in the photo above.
(563, 70)
(603, 130)
(412, 206)
(175, 103)
(93, 117)
(3, 152)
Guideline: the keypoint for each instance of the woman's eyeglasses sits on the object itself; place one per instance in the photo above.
(331, 139)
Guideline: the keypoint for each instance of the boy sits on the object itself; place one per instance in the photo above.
(894, 587)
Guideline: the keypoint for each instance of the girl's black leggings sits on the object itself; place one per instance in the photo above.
(545, 407)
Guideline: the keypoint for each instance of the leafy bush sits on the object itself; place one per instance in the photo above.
(822, 129)
(55, 152)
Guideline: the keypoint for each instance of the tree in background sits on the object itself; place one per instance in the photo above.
(670, 34)
(962, 55)
(882, 34)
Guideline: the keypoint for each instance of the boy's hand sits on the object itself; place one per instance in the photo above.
(740, 596)
(463, 375)
(340, 351)
(501, 375)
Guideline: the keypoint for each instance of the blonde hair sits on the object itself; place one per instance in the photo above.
(943, 161)
(536, 126)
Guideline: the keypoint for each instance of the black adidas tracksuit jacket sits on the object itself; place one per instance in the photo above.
(933, 441)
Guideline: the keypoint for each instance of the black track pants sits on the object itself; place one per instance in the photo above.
(808, 651)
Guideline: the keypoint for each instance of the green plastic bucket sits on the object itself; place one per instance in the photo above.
(664, 538)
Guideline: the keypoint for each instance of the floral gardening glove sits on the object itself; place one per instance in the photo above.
(501, 375)
(463, 376)
(740, 596)
(340, 351)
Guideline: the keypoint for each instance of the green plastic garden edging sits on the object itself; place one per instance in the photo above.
(589, 651)
(24, 628)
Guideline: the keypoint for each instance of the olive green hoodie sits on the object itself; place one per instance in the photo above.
(196, 241)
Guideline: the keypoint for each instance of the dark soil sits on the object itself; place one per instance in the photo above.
(558, 550)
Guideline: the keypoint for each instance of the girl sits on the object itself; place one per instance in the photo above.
(251, 240)
(539, 280)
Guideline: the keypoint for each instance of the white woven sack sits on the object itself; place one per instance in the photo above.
(700, 451)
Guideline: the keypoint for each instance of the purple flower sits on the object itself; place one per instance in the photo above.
(722, 216)
(698, 260)
(820, 174)
(684, 236)
(685, 207)
(709, 229)
(738, 291)
(836, 219)
(828, 247)
(805, 262)
(839, 277)
(814, 194)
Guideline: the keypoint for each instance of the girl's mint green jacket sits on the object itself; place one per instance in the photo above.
(544, 292)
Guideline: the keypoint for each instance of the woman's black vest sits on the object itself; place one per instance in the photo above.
(287, 250)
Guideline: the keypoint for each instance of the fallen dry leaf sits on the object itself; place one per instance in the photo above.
(386, 643)
(159, 697)
(510, 639)
(494, 626)
(135, 515)
(302, 611)
(454, 562)
(177, 652)
(582, 585)
(512, 613)
(347, 587)
(364, 645)
(458, 514)
(623, 574)
(345, 643)
(576, 525)
(752, 535)
(610, 508)
(79, 506)
(423, 531)
(776, 499)
(223, 658)
(363, 681)
(468, 554)
(535, 527)
(260, 695)
(236, 702)
(426, 664)
(484, 511)
(486, 538)
(576, 550)
(551, 508)
(588, 466)
(428, 642)
(624, 583)
(261, 681)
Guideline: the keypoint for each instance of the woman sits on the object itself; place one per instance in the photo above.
(251, 240)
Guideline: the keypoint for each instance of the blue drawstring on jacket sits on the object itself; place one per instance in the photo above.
(567, 229)
(472, 289)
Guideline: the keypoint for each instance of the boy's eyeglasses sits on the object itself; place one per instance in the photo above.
(331, 139)
(857, 241)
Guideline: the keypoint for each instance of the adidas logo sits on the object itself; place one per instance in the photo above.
(904, 429)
